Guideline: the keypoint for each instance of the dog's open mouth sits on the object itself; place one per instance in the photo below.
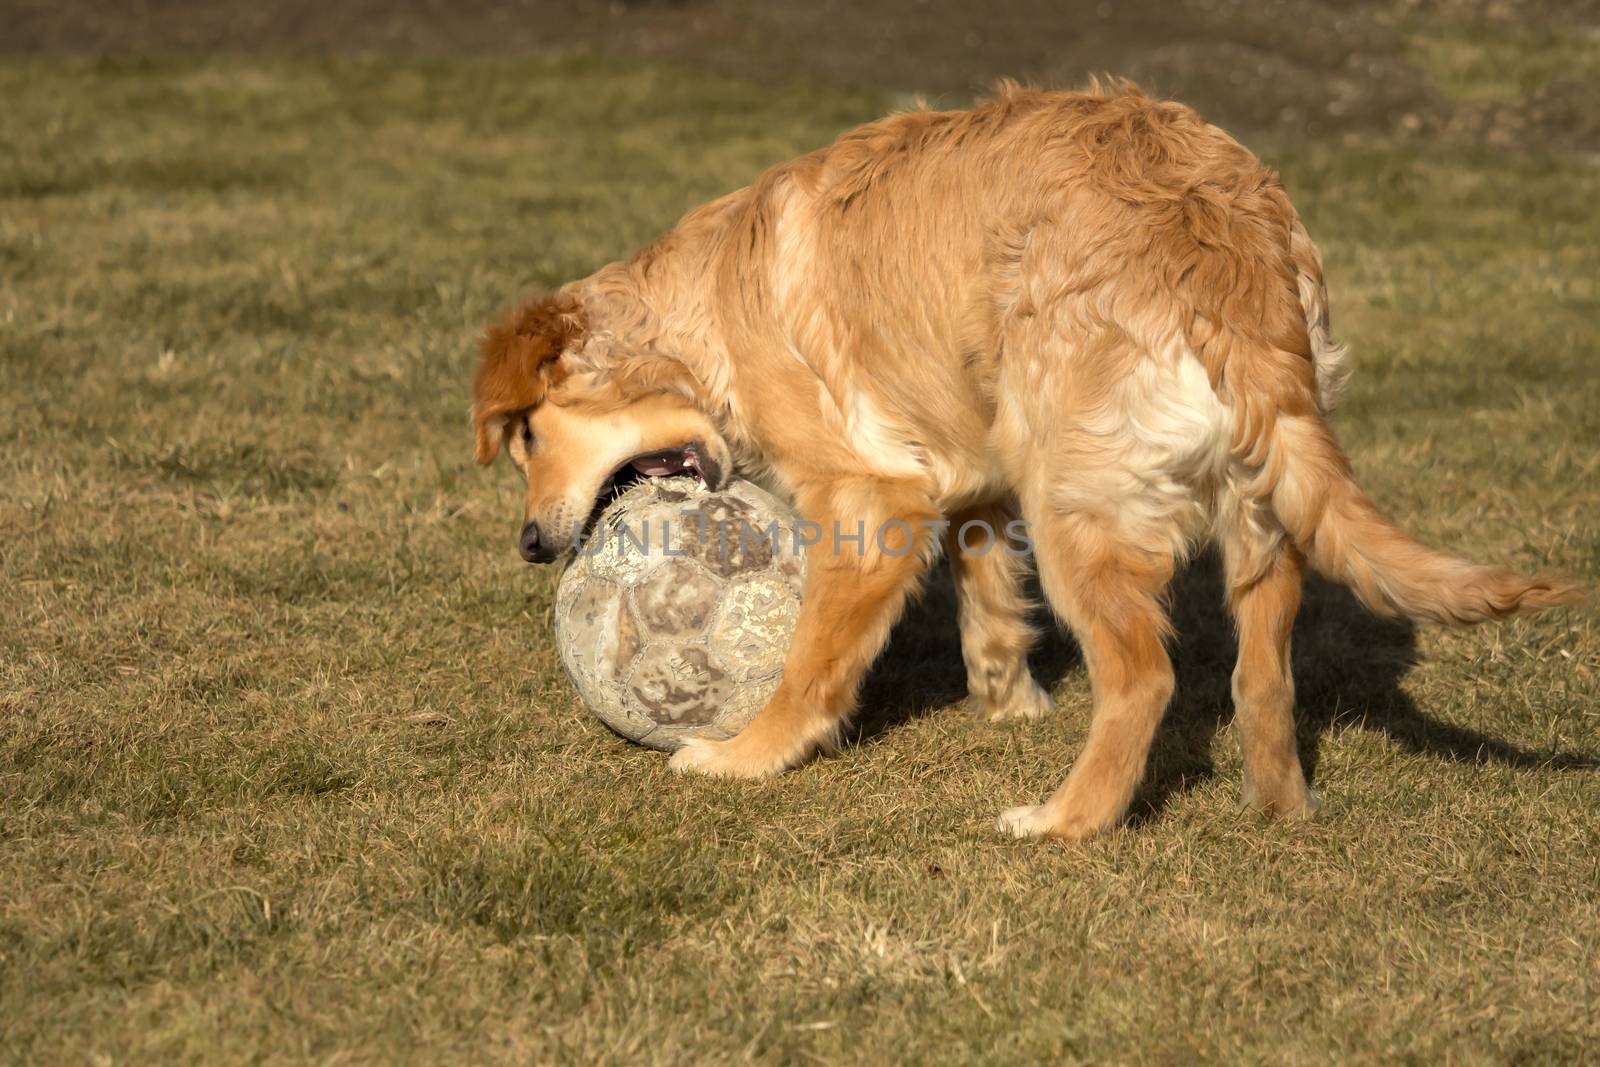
(688, 460)
(667, 462)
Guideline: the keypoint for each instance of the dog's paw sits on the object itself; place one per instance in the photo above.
(1030, 820)
(1030, 703)
(1042, 820)
(1293, 802)
(723, 759)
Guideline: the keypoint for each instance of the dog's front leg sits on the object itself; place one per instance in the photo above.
(876, 539)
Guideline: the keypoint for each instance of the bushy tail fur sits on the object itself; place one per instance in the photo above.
(1282, 433)
(1315, 496)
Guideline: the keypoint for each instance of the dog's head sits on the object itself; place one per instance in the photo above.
(580, 418)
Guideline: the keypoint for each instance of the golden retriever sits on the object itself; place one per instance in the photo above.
(1092, 310)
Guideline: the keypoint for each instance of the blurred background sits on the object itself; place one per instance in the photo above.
(1510, 73)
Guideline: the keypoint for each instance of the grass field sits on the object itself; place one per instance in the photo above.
(289, 771)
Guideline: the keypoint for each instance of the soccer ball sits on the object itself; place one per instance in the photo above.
(675, 613)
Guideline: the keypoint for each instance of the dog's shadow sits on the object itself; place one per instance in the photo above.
(1348, 666)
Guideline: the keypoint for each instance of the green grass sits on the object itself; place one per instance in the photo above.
(289, 771)
(1477, 61)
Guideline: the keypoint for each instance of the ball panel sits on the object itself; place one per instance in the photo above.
(590, 625)
(678, 686)
(727, 537)
(788, 558)
(676, 599)
(630, 539)
(614, 658)
(755, 617)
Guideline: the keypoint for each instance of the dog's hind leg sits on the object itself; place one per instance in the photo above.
(876, 544)
(1109, 591)
(989, 565)
(1264, 580)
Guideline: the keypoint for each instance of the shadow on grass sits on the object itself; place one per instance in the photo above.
(1348, 664)
(922, 671)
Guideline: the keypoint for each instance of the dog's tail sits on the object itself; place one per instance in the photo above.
(1281, 392)
(1317, 500)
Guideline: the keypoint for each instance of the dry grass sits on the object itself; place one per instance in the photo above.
(288, 770)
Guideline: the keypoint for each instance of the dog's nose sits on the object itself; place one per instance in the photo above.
(531, 548)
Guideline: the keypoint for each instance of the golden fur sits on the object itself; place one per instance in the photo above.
(1092, 310)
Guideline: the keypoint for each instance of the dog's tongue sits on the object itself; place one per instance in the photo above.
(661, 464)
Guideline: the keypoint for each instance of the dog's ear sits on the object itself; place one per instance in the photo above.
(519, 361)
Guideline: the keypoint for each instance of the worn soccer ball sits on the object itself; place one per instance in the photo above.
(674, 616)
